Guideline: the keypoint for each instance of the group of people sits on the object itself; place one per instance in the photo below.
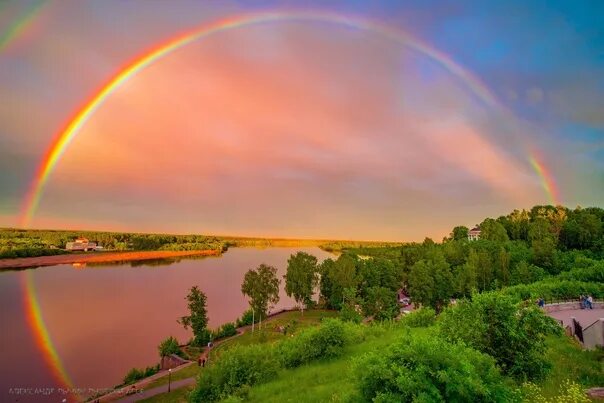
(587, 302)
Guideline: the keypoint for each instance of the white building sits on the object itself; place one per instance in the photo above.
(81, 244)
(474, 234)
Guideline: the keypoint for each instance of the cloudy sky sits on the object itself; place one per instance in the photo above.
(416, 117)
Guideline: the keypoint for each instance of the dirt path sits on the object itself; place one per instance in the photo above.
(99, 257)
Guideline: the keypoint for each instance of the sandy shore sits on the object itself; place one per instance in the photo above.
(98, 257)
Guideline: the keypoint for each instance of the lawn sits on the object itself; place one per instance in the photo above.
(570, 361)
(176, 396)
(268, 333)
(334, 380)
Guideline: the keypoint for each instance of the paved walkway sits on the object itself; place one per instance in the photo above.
(584, 316)
(119, 395)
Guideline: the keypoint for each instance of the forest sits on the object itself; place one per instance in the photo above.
(476, 334)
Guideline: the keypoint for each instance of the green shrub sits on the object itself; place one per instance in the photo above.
(428, 369)
(421, 318)
(136, 374)
(226, 330)
(325, 341)
(494, 324)
(246, 319)
(238, 367)
(168, 347)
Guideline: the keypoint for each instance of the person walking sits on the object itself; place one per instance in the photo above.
(590, 302)
(541, 302)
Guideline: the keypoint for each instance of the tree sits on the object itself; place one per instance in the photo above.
(335, 277)
(349, 311)
(466, 275)
(428, 369)
(492, 230)
(484, 273)
(503, 267)
(301, 278)
(197, 319)
(381, 303)
(493, 324)
(168, 346)
(460, 233)
(262, 287)
(430, 281)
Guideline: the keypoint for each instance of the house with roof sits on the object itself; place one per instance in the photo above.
(474, 234)
(81, 244)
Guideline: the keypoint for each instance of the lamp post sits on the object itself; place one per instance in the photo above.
(169, 378)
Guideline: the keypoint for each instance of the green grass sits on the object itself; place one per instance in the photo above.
(176, 396)
(334, 380)
(570, 361)
(329, 380)
(269, 333)
(191, 370)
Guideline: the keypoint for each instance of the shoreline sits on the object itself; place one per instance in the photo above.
(99, 257)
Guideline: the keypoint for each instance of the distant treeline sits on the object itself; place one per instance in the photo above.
(26, 243)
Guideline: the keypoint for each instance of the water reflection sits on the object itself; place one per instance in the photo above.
(107, 318)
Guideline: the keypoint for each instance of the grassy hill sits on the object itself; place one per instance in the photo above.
(336, 379)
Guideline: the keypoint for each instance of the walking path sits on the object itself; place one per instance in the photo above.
(137, 389)
(145, 394)
(584, 316)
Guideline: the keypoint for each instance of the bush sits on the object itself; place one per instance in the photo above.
(168, 347)
(246, 319)
(494, 324)
(237, 368)
(421, 318)
(428, 369)
(226, 330)
(136, 374)
(325, 341)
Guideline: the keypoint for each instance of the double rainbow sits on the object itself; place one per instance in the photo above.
(74, 125)
(129, 70)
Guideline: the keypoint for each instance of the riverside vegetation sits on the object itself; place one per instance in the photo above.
(492, 344)
(15, 243)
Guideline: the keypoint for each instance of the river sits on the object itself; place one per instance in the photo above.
(94, 323)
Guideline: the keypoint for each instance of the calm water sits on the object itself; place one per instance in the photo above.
(104, 320)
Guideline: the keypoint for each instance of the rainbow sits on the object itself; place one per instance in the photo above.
(73, 126)
(547, 180)
(20, 25)
(41, 334)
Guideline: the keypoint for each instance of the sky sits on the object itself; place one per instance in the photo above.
(344, 120)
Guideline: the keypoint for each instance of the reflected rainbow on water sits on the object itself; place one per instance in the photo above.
(40, 331)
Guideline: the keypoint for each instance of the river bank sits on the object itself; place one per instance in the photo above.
(99, 257)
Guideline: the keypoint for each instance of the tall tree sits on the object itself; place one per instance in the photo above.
(466, 275)
(336, 277)
(197, 319)
(301, 278)
(261, 285)
(492, 230)
(430, 281)
(459, 233)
